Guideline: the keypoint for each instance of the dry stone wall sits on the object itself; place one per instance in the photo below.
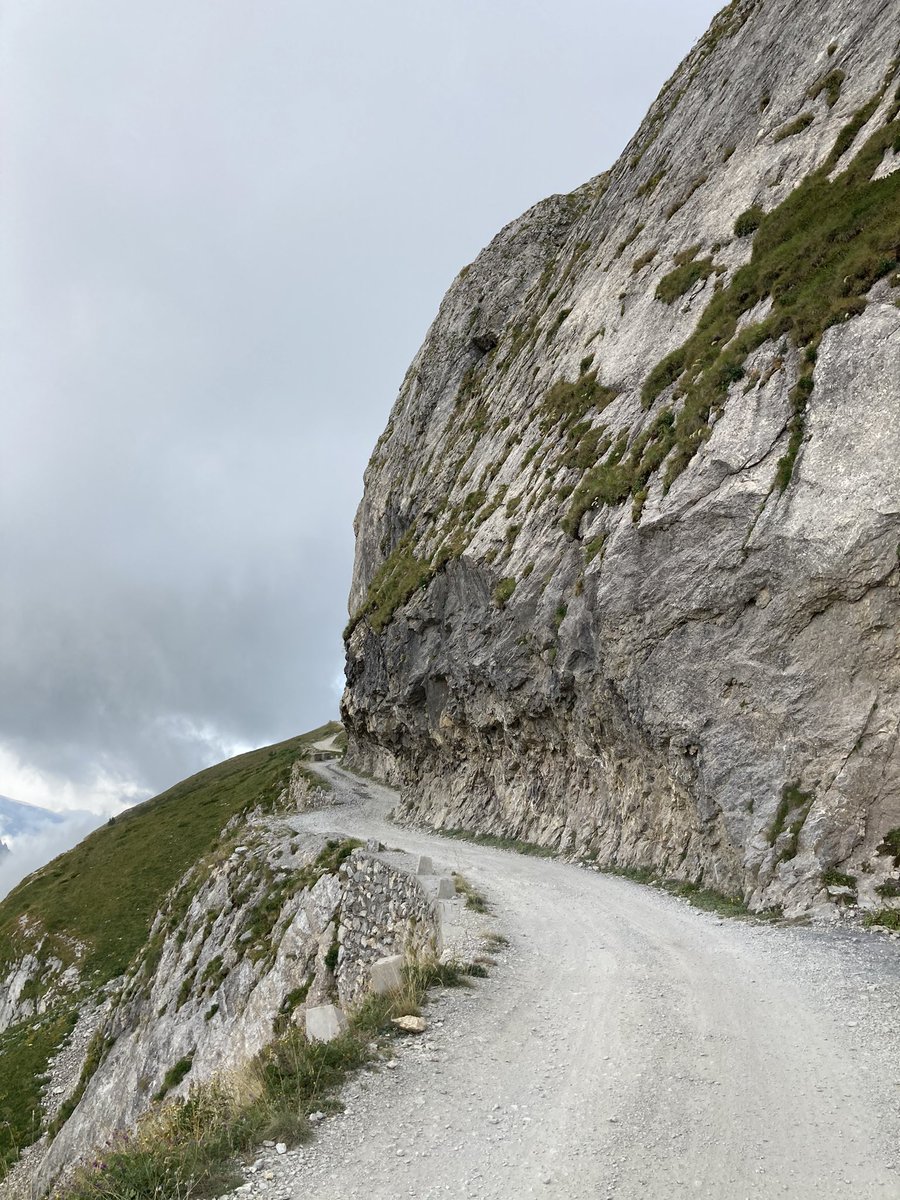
(385, 910)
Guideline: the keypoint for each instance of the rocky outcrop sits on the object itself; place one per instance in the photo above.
(269, 925)
(626, 579)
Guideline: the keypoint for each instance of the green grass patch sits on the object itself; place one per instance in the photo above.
(594, 547)
(398, 578)
(835, 878)
(688, 270)
(792, 128)
(885, 918)
(624, 472)
(696, 894)
(567, 403)
(174, 1076)
(328, 861)
(790, 815)
(643, 260)
(890, 844)
(25, 1051)
(831, 84)
(504, 590)
(498, 842)
(748, 222)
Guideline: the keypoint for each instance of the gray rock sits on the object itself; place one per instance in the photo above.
(386, 974)
(324, 1023)
(214, 994)
(648, 686)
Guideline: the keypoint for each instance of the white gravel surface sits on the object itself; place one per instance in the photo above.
(625, 1046)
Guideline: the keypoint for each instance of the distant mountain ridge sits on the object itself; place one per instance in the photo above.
(18, 819)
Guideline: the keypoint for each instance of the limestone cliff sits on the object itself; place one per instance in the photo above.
(626, 577)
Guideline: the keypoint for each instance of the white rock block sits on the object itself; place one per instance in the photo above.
(324, 1023)
(386, 974)
(424, 866)
(446, 888)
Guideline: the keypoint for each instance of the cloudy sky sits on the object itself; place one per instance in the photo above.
(225, 226)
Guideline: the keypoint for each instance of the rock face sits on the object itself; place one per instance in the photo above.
(277, 925)
(626, 576)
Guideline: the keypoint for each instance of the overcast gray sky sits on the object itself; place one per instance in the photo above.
(224, 229)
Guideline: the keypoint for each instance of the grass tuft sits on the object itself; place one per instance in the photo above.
(835, 878)
(748, 222)
(689, 270)
(174, 1076)
(890, 844)
(698, 896)
(831, 84)
(474, 899)
(884, 918)
(504, 590)
(792, 128)
(498, 842)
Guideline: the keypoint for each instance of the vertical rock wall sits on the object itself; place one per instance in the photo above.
(626, 578)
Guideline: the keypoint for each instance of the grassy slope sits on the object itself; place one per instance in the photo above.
(105, 892)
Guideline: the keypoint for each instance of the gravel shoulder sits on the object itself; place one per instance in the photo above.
(625, 1046)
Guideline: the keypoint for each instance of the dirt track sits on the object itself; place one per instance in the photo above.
(627, 1046)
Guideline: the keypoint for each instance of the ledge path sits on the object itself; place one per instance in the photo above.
(627, 1046)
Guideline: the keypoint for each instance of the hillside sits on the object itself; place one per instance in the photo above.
(85, 919)
(626, 577)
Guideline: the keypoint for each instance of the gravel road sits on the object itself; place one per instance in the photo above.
(626, 1046)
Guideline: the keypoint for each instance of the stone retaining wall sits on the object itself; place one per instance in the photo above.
(385, 910)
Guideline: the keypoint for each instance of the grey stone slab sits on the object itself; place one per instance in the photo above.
(324, 1023)
(386, 975)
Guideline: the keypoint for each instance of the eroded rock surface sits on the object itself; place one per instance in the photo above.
(644, 608)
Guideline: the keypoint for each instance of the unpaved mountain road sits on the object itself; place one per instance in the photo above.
(628, 1047)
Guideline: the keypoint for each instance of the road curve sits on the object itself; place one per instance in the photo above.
(627, 1047)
